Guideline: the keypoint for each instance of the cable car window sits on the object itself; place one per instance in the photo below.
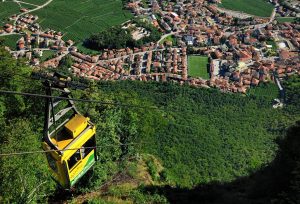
(74, 159)
(52, 162)
(88, 147)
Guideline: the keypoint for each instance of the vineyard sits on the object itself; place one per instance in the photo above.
(83, 18)
(10, 40)
(254, 7)
(6, 10)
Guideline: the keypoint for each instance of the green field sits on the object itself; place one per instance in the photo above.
(285, 19)
(81, 48)
(170, 38)
(7, 9)
(83, 18)
(197, 66)
(10, 41)
(47, 54)
(254, 7)
(36, 2)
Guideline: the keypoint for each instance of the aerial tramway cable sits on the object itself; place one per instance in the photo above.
(75, 99)
(47, 151)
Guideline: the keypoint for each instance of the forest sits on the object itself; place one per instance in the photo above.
(117, 37)
(180, 141)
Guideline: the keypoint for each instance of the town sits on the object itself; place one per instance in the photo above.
(240, 51)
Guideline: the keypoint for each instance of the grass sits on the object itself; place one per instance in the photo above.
(254, 7)
(83, 18)
(197, 66)
(274, 45)
(145, 5)
(47, 54)
(286, 19)
(36, 2)
(170, 38)
(10, 41)
(81, 48)
(269, 91)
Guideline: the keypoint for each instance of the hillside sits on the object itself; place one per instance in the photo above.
(196, 136)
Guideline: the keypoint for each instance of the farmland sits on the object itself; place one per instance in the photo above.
(251, 7)
(47, 54)
(285, 19)
(10, 41)
(82, 19)
(35, 2)
(198, 66)
(6, 10)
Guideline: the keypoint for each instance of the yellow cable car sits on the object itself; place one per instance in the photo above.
(70, 137)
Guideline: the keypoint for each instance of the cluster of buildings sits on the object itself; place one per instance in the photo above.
(242, 52)
(21, 23)
(150, 62)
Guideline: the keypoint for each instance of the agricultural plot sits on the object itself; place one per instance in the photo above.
(254, 7)
(79, 19)
(285, 19)
(10, 41)
(198, 66)
(7, 9)
(35, 2)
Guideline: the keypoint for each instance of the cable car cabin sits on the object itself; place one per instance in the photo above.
(71, 143)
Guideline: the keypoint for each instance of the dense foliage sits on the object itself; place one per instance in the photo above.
(113, 38)
(118, 37)
(292, 87)
(22, 180)
(204, 135)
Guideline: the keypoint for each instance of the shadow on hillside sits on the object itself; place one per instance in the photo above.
(263, 186)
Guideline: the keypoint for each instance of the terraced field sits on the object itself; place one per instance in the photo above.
(78, 19)
(254, 7)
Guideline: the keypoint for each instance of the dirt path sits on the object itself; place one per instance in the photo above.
(35, 9)
(23, 2)
(236, 14)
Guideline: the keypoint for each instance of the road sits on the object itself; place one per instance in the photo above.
(165, 36)
(6, 34)
(35, 9)
(22, 2)
(18, 16)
